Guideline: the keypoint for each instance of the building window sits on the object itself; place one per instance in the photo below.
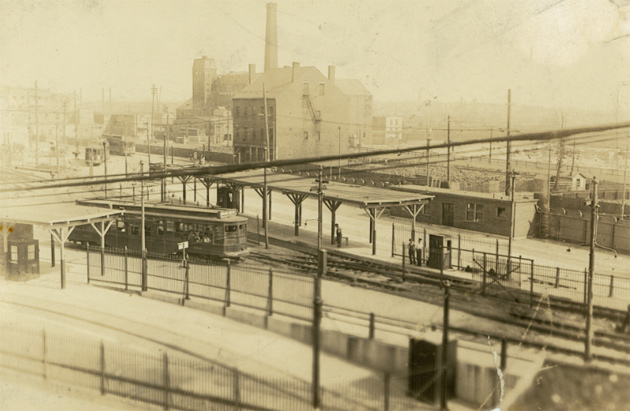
(13, 254)
(262, 133)
(262, 110)
(270, 111)
(322, 89)
(305, 89)
(474, 212)
(237, 111)
(31, 251)
(501, 212)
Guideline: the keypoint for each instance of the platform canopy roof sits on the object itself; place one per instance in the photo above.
(363, 196)
(56, 216)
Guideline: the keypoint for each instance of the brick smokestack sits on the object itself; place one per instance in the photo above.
(252, 73)
(271, 38)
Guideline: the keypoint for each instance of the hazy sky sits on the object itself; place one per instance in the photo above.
(549, 52)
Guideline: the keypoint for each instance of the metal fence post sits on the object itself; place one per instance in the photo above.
(165, 377)
(531, 282)
(503, 354)
(44, 351)
(270, 294)
(102, 261)
(393, 238)
(459, 251)
(424, 245)
(145, 274)
(126, 268)
(257, 230)
(403, 262)
(612, 284)
(496, 268)
(372, 326)
(557, 284)
(483, 285)
(386, 391)
(52, 251)
(227, 284)
(87, 249)
(102, 352)
(236, 389)
(187, 280)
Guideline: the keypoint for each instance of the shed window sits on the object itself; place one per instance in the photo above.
(13, 257)
(501, 212)
(160, 227)
(31, 252)
(474, 212)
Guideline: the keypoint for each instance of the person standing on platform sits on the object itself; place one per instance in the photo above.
(338, 235)
(419, 252)
(411, 247)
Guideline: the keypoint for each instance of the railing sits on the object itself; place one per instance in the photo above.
(487, 262)
(230, 284)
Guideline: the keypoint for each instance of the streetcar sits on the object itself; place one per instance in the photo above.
(119, 145)
(212, 233)
(94, 154)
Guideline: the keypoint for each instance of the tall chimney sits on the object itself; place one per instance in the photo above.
(271, 38)
(252, 73)
(296, 66)
(331, 73)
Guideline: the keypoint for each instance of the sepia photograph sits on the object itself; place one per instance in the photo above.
(314, 205)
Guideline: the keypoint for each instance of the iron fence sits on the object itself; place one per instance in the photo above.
(487, 262)
(230, 284)
(175, 382)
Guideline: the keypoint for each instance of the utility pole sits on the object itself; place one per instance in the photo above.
(444, 368)
(623, 197)
(105, 164)
(320, 202)
(428, 154)
(57, 141)
(265, 209)
(448, 153)
(76, 126)
(142, 233)
(512, 221)
(267, 154)
(153, 90)
(64, 122)
(36, 127)
(148, 146)
(317, 319)
(339, 165)
(166, 137)
(507, 154)
(591, 268)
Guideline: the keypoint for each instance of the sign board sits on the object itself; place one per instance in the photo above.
(183, 245)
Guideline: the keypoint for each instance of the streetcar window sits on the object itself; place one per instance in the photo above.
(179, 226)
(241, 227)
(170, 226)
(231, 228)
(120, 225)
(135, 229)
(160, 227)
(147, 229)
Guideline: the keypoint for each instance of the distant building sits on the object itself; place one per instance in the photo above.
(308, 114)
(576, 182)
(204, 72)
(387, 130)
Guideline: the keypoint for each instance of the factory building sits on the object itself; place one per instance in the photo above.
(308, 113)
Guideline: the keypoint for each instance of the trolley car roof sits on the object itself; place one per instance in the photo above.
(363, 196)
(57, 216)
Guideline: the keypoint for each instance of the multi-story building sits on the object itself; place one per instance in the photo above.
(308, 115)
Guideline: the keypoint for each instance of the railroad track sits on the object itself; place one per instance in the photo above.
(383, 277)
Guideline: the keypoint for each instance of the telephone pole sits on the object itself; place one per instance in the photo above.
(152, 136)
(623, 197)
(36, 127)
(428, 154)
(64, 122)
(76, 126)
(507, 154)
(448, 153)
(591, 268)
(512, 222)
(267, 154)
(320, 202)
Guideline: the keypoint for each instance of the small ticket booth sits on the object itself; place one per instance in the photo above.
(227, 197)
(439, 252)
(22, 257)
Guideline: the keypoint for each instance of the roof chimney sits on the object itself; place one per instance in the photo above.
(293, 70)
(331, 73)
(252, 73)
(271, 38)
